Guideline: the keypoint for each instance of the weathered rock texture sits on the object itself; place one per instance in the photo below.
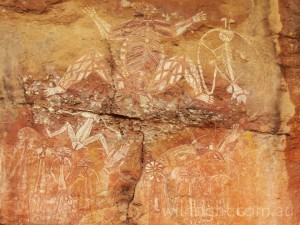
(289, 40)
(156, 112)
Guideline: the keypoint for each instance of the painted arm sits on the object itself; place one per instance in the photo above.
(103, 27)
(174, 30)
(182, 26)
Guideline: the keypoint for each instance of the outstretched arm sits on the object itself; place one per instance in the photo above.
(173, 30)
(103, 27)
(182, 26)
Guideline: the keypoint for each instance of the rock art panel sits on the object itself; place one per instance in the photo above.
(143, 112)
(142, 66)
(223, 76)
(205, 177)
(68, 173)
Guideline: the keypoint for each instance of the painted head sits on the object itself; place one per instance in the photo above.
(144, 9)
(226, 35)
(28, 136)
(141, 9)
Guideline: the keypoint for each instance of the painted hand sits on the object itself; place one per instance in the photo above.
(199, 17)
(90, 11)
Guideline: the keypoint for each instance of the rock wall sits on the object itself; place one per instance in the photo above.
(289, 44)
(149, 112)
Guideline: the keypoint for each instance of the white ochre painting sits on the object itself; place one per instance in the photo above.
(68, 161)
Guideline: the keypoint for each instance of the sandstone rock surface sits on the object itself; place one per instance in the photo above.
(149, 112)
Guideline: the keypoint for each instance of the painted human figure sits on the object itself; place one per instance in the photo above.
(224, 60)
(43, 152)
(27, 141)
(155, 181)
(81, 138)
(38, 199)
(63, 163)
(142, 65)
(86, 185)
(183, 196)
(63, 210)
(18, 171)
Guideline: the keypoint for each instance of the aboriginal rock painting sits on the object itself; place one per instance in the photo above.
(65, 166)
(192, 178)
(142, 69)
(64, 173)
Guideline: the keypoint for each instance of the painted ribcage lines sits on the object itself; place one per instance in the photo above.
(142, 54)
(169, 72)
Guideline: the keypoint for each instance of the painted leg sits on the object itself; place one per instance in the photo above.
(194, 76)
(88, 64)
(67, 127)
(168, 73)
(97, 137)
(121, 78)
(237, 93)
(84, 131)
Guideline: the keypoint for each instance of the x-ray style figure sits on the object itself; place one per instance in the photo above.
(142, 66)
(224, 62)
(82, 137)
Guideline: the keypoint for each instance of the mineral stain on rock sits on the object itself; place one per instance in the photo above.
(115, 124)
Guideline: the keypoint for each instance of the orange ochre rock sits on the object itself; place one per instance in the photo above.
(149, 112)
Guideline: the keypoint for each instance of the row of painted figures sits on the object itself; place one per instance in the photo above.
(143, 68)
(53, 182)
(174, 186)
(59, 184)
